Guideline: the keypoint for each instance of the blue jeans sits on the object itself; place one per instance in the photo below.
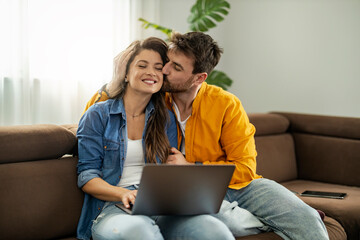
(199, 227)
(281, 210)
(113, 223)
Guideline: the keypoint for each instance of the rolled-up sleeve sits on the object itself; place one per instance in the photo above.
(90, 144)
(87, 175)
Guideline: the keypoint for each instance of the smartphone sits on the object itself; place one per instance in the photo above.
(335, 195)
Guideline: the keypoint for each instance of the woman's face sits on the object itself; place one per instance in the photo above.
(145, 72)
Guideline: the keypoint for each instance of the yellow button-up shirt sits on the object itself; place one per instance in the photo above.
(219, 132)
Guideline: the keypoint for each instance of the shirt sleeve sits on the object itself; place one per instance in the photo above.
(238, 142)
(90, 145)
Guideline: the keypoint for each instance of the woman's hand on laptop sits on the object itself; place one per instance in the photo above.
(128, 197)
(177, 158)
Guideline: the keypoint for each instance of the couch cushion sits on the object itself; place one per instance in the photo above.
(39, 199)
(334, 229)
(346, 211)
(276, 157)
(267, 124)
(328, 159)
(34, 142)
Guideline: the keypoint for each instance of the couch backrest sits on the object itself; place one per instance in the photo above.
(275, 147)
(327, 147)
(39, 195)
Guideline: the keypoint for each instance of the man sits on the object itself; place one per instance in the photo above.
(215, 129)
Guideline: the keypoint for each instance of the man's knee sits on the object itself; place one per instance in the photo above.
(309, 223)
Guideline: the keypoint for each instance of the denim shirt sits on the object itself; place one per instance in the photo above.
(102, 142)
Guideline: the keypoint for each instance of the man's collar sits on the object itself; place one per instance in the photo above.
(170, 99)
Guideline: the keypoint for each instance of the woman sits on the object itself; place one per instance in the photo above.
(117, 137)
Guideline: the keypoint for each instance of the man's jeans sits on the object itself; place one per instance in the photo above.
(274, 205)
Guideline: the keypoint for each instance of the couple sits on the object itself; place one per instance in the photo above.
(134, 126)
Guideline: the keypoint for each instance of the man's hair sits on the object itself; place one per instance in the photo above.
(199, 46)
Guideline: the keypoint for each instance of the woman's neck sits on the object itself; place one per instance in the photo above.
(135, 104)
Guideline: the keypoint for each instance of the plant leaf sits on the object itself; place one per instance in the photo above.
(205, 12)
(216, 16)
(146, 24)
(220, 79)
(209, 23)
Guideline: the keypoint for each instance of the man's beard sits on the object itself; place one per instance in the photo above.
(177, 88)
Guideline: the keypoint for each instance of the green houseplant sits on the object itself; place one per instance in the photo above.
(203, 15)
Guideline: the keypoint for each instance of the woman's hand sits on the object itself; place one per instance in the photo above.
(128, 197)
(102, 190)
(120, 62)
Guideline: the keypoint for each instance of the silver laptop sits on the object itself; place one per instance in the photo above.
(181, 189)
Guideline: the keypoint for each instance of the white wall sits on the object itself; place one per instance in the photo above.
(287, 55)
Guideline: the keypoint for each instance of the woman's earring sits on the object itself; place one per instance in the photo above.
(126, 80)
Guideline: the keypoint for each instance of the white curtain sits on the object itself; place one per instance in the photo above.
(54, 55)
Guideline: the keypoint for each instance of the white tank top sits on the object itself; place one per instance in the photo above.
(133, 165)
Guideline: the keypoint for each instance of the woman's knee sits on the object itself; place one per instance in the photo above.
(125, 227)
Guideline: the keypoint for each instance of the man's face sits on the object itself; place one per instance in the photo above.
(178, 72)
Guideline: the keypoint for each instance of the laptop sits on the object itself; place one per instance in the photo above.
(181, 189)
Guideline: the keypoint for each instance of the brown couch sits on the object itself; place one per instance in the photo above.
(40, 199)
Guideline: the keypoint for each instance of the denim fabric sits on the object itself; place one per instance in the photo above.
(240, 221)
(102, 143)
(115, 224)
(193, 227)
(281, 210)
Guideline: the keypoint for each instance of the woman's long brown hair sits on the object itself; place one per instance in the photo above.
(156, 140)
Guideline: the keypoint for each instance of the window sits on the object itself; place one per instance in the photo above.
(56, 54)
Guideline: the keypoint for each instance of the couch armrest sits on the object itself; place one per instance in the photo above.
(35, 142)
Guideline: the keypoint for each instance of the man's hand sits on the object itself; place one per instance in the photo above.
(120, 62)
(177, 158)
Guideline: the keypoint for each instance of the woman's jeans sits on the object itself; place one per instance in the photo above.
(113, 223)
(270, 202)
(281, 210)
